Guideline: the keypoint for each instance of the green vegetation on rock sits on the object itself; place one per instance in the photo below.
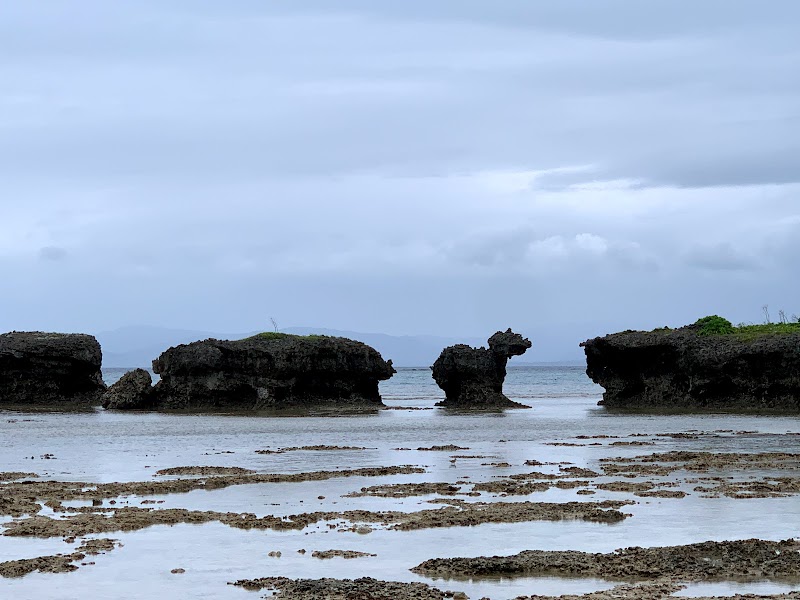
(277, 335)
(750, 332)
(714, 325)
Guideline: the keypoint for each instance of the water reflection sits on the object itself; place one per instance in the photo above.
(102, 446)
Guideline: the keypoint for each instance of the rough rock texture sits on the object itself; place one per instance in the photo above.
(134, 390)
(57, 563)
(49, 370)
(683, 370)
(739, 559)
(265, 372)
(473, 377)
(364, 588)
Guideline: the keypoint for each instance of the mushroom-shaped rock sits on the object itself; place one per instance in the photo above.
(473, 377)
(49, 370)
(270, 371)
(134, 390)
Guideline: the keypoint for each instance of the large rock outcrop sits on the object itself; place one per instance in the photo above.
(682, 369)
(49, 370)
(473, 377)
(264, 372)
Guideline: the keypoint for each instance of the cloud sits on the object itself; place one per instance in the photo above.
(262, 89)
(534, 161)
(52, 253)
(719, 257)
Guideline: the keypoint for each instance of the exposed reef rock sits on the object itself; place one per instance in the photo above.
(473, 377)
(267, 371)
(755, 559)
(49, 370)
(134, 390)
(364, 588)
(749, 369)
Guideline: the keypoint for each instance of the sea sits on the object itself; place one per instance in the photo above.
(106, 446)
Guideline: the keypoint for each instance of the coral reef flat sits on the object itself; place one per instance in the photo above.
(564, 501)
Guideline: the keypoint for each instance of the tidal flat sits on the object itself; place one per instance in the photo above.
(147, 505)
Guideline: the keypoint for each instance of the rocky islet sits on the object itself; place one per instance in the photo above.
(473, 377)
(50, 370)
(747, 369)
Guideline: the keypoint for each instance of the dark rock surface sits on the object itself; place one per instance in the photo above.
(681, 369)
(134, 390)
(49, 370)
(473, 377)
(364, 588)
(752, 559)
(270, 371)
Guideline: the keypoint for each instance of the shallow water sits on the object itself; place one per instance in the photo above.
(101, 446)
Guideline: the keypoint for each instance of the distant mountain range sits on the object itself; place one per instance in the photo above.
(137, 346)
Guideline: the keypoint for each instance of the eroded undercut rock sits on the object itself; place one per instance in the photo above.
(473, 377)
(49, 370)
(682, 369)
(270, 371)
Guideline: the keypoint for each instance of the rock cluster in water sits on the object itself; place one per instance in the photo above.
(49, 370)
(261, 372)
(473, 377)
(682, 369)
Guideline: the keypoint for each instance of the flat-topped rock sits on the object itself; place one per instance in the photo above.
(747, 369)
(269, 371)
(49, 370)
(473, 377)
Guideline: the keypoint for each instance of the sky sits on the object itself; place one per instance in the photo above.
(566, 168)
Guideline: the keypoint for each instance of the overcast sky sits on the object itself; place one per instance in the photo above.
(446, 167)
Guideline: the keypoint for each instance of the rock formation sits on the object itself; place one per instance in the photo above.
(263, 372)
(49, 370)
(473, 377)
(132, 391)
(682, 369)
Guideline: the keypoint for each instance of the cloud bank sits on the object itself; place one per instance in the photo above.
(414, 167)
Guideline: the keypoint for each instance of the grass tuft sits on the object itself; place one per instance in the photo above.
(277, 335)
(716, 325)
(751, 332)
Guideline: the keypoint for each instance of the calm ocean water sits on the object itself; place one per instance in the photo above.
(108, 446)
(416, 387)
